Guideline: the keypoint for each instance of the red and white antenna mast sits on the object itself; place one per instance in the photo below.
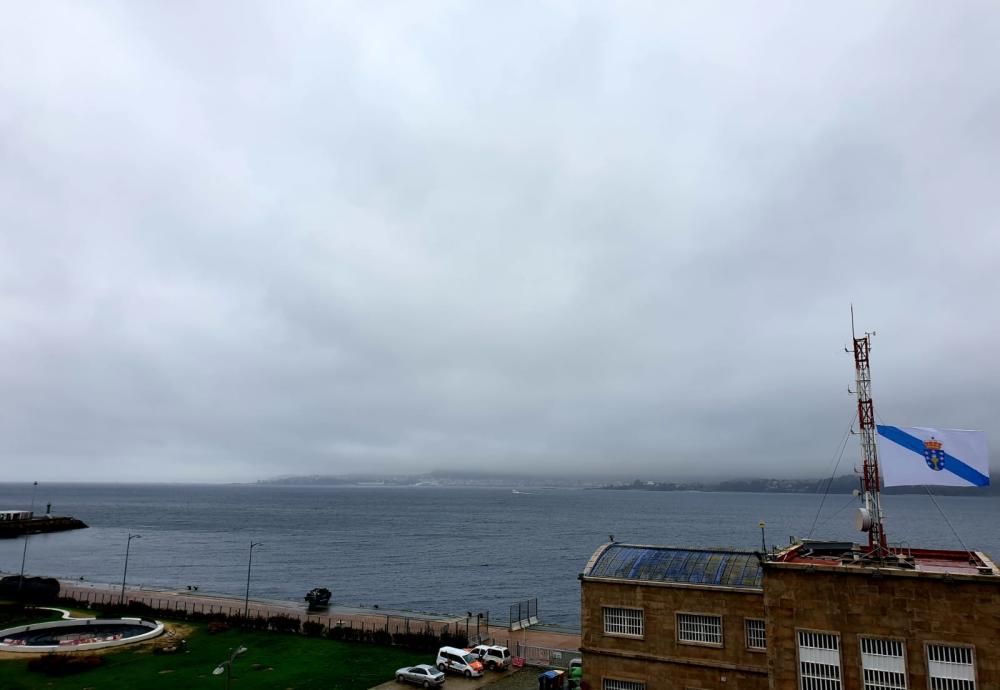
(870, 516)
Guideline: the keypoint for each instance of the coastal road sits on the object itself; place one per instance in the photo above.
(185, 600)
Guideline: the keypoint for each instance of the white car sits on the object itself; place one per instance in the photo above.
(494, 657)
(421, 674)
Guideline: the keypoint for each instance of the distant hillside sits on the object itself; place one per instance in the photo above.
(332, 480)
(844, 484)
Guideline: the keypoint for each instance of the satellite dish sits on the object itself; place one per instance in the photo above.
(863, 520)
(219, 670)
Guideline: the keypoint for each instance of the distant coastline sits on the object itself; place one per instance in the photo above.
(843, 484)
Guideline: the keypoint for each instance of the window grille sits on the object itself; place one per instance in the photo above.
(951, 668)
(883, 663)
(819, 661)
(696, 627)
(756, 633)
(619, 621)
(613, 684)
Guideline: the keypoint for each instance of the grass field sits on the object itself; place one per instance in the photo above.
(272, 661)
(12, 616)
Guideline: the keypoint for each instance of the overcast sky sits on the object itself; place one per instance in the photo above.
(242, 240)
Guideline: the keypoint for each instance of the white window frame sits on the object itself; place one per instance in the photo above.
(819, 657)
(959, 675)
(704, 622)
(880, 662)
(625, 626)
(622, 684)
(752, 636)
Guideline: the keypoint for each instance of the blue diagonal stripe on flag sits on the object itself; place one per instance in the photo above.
(951, 463)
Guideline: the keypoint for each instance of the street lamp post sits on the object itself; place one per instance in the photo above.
(121, 601)
(227, 666)
(246, 601)
(24, 552)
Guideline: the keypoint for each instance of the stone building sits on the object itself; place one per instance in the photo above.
(814, 616)
(929, 621)
(655, 617)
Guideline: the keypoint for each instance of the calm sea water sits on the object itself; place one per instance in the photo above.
(428, 549)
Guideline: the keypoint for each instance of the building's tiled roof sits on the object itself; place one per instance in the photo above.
(686, 566)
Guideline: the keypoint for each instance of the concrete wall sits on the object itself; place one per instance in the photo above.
(907, 607)
(658, 658)
(155, 629)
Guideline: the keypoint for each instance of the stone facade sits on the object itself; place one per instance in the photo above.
(658, 658)
(916, 608)
(947, 601)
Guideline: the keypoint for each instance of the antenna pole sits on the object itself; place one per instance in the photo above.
(871, 521)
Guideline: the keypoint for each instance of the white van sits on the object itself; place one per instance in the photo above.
(459, 661)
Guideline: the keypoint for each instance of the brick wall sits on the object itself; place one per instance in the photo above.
(917, 609)
(658, 659)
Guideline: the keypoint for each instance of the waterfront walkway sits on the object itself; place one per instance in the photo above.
(356, 617)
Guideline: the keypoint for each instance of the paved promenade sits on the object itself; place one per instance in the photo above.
(357, 617)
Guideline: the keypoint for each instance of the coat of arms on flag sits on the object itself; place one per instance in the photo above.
(934, 454)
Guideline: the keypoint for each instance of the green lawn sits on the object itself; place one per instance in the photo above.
(287, 661)
(12, 616)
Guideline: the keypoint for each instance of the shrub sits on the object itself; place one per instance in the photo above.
(217, 627)
(30, 588)
(313, 628)
(285, 624)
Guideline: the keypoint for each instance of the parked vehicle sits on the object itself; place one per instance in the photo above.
(318, 598)
(494, 657)
(459, 661)
(421, 674)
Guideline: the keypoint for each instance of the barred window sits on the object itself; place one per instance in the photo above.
(950, 667)
(819, 661)
(697, 627)
(615, 684)
(883, 663)
(756, 633)
(620, 621)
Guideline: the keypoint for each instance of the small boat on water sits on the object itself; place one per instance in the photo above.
(15, 523)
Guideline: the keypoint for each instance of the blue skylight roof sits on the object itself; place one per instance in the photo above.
(688, 566)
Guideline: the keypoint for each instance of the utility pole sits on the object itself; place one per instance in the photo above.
(24, 551)
(121, 600)
(246, 602)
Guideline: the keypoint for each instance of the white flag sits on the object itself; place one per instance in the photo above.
(940, 457)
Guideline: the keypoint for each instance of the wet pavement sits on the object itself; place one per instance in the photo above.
(489, 679)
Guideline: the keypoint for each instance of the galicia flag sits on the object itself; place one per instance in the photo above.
(939, 457)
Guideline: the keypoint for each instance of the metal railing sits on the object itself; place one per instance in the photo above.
(545, 656)
(523, 614)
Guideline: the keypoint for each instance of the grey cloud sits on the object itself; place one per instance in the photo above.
(240, 240)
